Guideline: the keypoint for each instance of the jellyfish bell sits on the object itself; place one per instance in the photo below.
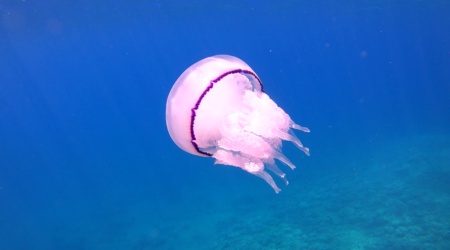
(217, 108)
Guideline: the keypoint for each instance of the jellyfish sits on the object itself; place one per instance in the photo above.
(218, 108)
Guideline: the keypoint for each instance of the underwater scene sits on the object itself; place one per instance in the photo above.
(224, 124)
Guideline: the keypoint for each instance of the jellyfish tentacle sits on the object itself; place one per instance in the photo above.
(292, 138)
(266, 176)
(278, 155)
(298, 127)
(274, 168)
(247, 163)
(298, 143)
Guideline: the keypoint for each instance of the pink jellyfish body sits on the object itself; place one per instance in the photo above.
(217, 108)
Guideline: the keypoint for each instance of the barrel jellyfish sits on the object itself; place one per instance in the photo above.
(218, 108)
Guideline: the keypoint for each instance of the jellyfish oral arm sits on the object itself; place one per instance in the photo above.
(250, 134)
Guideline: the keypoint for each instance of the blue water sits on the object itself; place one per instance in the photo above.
(86, 161)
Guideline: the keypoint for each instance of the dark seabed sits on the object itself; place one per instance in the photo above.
(86, 161)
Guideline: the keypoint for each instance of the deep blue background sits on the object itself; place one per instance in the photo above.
(83, 88)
